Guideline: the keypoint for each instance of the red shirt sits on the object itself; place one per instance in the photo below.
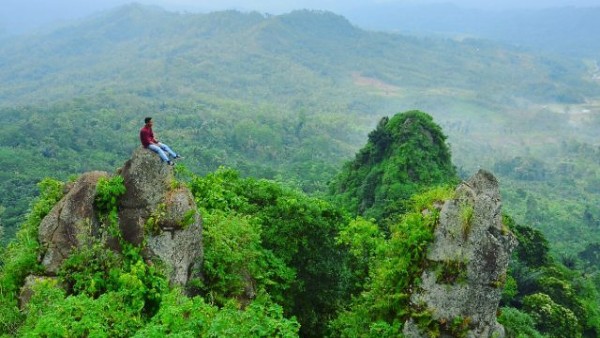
(147, 136)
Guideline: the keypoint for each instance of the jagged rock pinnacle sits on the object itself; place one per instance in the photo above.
(467, 262)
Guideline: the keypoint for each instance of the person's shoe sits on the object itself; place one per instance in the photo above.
(177, 157)
(171, 163)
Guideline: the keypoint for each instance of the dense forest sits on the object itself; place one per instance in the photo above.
(319, 268)
(286, 102)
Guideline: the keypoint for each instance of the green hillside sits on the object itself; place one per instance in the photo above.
(404, 156)
(292, 97)
(152, 53)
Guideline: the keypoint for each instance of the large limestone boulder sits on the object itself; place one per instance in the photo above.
(154, 209)
(147, 181)
(467, 263)
(176, 237)
(70, 221)
(153, 212)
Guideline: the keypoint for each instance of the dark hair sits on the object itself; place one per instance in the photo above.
(147, 119)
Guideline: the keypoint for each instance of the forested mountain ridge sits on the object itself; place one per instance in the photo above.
(155, 53)
(291, 97)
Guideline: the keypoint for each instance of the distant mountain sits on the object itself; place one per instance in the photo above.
(567, 31)
(153, 53)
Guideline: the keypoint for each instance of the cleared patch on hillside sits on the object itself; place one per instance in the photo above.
(378, 86)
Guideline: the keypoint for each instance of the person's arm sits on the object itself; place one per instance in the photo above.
(152, 138)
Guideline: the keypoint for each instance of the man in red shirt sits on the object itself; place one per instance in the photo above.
(148, 141)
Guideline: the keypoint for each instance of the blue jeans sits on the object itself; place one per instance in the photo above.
(160, 150)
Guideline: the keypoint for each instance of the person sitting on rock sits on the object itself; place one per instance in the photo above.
(148, 141)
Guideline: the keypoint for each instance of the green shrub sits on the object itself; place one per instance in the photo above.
(180, 316)
(510, 289)
(110, 295)
(533, 249)
(466, 217)
(20, 257)
(394, 274)
(87, 270)
(142, 285)
(363, 238)
(518, 324)
(297, 234)
(550, 318)
(50, 313)
(235, 259)
(108, 191)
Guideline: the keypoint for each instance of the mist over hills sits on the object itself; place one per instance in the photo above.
(292, 97)
(136, 44)
(563, 30)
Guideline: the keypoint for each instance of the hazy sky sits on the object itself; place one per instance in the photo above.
(21, 15)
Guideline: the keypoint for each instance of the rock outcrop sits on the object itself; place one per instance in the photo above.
(154, 209)
(70, 221)
(147, 182)
(154, 212)
(466, 263)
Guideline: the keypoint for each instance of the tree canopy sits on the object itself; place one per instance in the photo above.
(403, 156)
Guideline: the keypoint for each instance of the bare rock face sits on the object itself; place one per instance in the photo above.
(177, 239)
(467, 263)
(181, 249)
(147, 181)
(71, 219)
(154, 209)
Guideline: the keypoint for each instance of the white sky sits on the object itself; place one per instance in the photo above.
(20, 15)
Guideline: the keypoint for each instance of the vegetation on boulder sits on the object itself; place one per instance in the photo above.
(403, 156)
